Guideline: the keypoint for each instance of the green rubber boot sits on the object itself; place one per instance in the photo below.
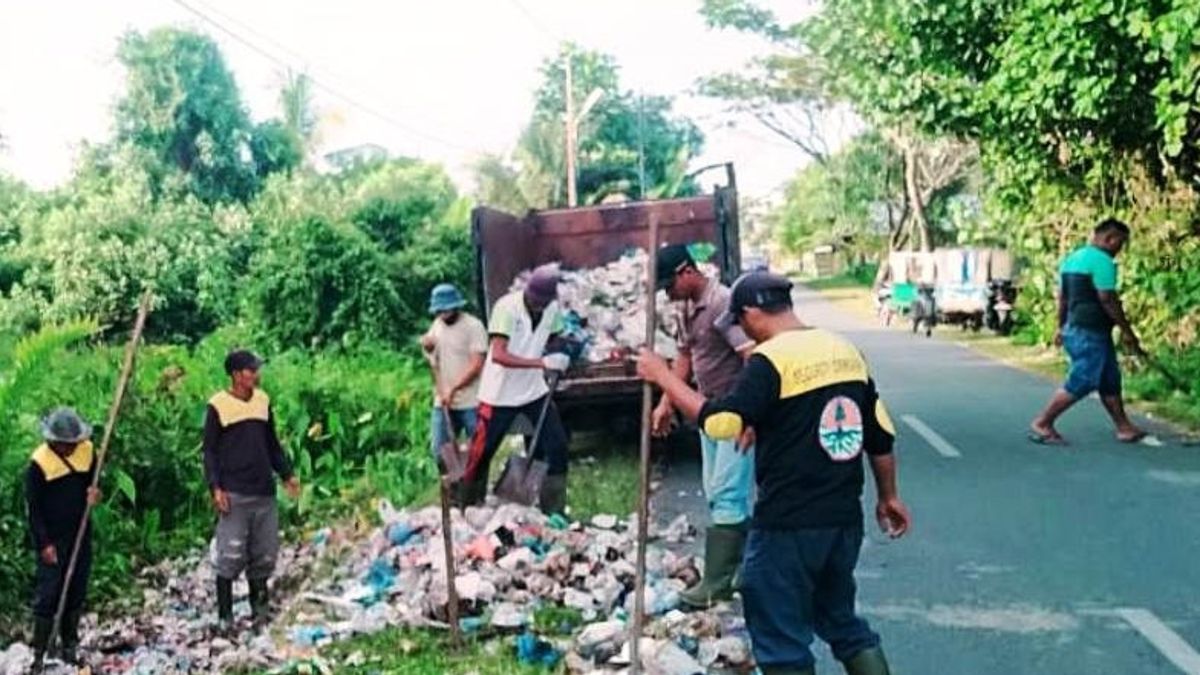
(260, 602)
(70, 638)
(868, 662)
(553, 498)
(40, 643)
(723, 546)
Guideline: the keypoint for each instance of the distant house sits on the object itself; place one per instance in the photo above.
(354, 155)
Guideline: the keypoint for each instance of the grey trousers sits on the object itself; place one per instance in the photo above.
(248, 537)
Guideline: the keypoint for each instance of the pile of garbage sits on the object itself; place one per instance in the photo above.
(512, 562)
(605, 308)
(514, 565)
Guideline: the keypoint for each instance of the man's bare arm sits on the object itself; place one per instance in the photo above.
(502, 357)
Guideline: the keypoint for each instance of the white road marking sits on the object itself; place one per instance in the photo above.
(1165, 640)
(931, 437)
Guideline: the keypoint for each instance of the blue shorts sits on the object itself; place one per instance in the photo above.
(1093, 363)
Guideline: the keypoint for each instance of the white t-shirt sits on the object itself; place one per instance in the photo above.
(513, 387)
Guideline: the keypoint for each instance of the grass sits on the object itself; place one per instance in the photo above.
(419, 652)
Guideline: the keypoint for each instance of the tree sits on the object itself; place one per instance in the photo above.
(299, 113)
(623, 133)
(786, 92)
(183, 115)
(275, 147)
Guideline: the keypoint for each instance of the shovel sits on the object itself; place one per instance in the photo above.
(522, 478)
(452, 457)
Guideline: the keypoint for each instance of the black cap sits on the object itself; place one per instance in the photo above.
(671, 260)
(242, 359)
(755, 289)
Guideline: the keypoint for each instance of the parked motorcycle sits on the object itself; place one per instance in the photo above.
(924, 313)
(1001, 303)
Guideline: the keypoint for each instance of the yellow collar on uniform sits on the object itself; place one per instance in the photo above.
(54, 466)
(231, 409)
(810, 359)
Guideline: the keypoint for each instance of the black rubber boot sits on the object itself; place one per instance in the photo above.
(260, 601)
(553, 498)
(70, 638)
(466, 493)
(40, 643)
(224, 605)
(787, 670)
(868, 662)
(723, 546)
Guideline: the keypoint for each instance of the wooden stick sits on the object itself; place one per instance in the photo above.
(451, 574)
(122, 384)
(639, 589)
(447, 522)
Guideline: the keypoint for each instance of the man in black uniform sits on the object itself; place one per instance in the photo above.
(809, 396)
(242, 454)
(58, 488)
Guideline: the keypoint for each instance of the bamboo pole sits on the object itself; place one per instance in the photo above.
(639, 599)
(447, 523)
(114, 410)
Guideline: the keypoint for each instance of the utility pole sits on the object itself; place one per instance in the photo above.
(572, 126)
(572, 120)
(641, 147)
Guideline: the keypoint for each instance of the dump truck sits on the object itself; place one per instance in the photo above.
(506, 244)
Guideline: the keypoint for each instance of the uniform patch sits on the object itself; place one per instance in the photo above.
(841, 429)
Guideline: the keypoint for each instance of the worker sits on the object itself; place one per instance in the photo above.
(242, 456)
(521, 328)
(814, 407)
(715, 357)
(455, 344)
(1089, 306)
(58, 490)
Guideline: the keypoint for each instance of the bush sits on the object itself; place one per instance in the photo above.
(355, 426)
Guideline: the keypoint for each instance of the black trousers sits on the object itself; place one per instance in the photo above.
(493, 425)
(49, 581)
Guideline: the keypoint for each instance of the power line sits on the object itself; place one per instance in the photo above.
(317, 83)
(537, 23)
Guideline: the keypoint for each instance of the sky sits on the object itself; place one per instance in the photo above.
(444, 80)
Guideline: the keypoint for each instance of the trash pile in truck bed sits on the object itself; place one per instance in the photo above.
(512, 562)
(605, 307)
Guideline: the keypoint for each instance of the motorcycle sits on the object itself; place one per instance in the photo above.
(1001, 303)
(924, 312)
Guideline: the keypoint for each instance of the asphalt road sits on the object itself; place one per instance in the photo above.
(1023, 558)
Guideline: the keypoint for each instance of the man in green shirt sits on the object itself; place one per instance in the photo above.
(1088, 309)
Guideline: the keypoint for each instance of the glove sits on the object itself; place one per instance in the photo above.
(559, 362)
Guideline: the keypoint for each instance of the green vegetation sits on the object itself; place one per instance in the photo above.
(1021, 123)
(414, 652)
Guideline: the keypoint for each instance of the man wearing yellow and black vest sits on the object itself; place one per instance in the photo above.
(811, 400)
(58, 489)
(242, 455)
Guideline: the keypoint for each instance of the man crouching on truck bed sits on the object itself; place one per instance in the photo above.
(521, 326)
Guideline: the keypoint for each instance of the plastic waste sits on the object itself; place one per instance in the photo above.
(535, 651)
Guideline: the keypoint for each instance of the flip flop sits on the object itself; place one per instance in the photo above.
(1040, 438)
(1136, 438)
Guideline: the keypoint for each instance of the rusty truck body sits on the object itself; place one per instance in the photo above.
(592, 236)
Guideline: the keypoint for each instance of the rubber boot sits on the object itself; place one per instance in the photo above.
(224, 605)
(41, 642)
(260, 601)
(466, 493)
(868, 662)
(70, 638)
(553, 498)
(723, 546)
